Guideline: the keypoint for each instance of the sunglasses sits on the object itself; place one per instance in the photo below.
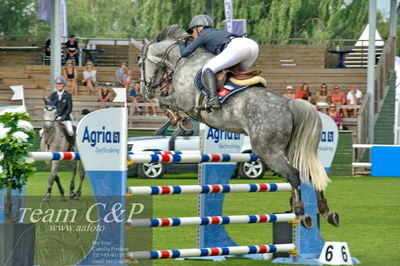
(332, 106)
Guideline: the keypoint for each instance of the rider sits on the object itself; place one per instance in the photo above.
(63, 102)
(230, 49)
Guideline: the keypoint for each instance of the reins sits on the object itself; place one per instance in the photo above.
(159, 65)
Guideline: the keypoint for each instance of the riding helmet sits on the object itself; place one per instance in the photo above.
(60, 80)
(201, 20)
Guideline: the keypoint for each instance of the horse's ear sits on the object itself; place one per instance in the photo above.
(46, 102)
(146, 42)
(137, 44)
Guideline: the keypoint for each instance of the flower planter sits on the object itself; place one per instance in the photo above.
(17, 245)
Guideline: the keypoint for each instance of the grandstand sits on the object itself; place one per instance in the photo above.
(281, 65)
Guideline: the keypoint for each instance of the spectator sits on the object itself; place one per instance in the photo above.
(153, 108)
(89, 77)
(322, 98)
(288, 94)
(128, 80)
(339, 98)
(334, 114)
(47, 49)
(304, 93)
(119, 74)
(71, 75)
(104, 96)
(72, 49)
(353, 98)
(134, 95)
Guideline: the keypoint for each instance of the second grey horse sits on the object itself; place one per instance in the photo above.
(284, 134)
(54, 140)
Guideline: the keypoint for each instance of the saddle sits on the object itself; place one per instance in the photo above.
(239, 77)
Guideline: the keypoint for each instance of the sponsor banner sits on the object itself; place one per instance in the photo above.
(328, 142)
(220, 141)
(101, 140)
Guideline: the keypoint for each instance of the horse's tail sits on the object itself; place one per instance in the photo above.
(303, 144)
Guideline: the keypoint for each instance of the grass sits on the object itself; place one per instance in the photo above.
(368, 208)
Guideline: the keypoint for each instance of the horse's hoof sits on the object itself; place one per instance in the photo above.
(298, 208)
(46, 199)
(63, 198)
(333, 218)
(72, 196)
(185, 124)
(306, 221)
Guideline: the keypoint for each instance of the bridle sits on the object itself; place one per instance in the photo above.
(159, 65)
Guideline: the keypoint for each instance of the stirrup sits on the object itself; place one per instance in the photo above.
(204, 107)
(214, 103)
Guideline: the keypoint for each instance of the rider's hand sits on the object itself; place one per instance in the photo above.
(59, 118)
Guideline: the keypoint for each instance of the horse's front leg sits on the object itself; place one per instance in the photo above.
(165, 105)
(72, 166)
(53, 177)
(81, 177)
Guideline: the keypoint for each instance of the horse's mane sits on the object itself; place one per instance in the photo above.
(172, 32)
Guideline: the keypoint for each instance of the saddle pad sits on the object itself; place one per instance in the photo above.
(224, 93)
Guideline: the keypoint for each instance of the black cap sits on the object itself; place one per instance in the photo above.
(72, 36)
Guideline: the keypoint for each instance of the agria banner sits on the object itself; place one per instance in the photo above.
(101, 140)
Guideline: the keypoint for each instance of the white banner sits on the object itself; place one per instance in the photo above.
(228, 14)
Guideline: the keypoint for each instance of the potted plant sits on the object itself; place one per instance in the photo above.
(16, 133)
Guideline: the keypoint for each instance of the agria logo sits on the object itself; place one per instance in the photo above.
(327, 136)
(100, 136)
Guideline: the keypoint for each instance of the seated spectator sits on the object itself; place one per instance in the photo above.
(153, 108)
(89, 77)
(288, 94)
(119, 75)
(338, 98)
(72, 49)
(104, 96)
(334, 114)
(71, 75)
(322, 98)
(128, 81)
(353, 97)
(304, 93)
(134, 95)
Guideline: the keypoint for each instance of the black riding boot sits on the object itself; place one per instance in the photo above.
(210, 82)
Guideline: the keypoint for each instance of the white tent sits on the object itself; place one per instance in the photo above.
(362, 41)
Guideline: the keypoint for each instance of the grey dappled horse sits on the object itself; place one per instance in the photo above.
(54, 140)
(284, 134)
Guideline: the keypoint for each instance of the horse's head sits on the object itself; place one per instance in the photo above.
(154, 59)
(152, 69)
(49, 115)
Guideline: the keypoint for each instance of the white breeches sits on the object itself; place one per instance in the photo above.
(68, 126)
(239, 50)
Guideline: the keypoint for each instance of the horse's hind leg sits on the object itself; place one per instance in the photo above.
(277, 161)
(332, 217)
(72, 166)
